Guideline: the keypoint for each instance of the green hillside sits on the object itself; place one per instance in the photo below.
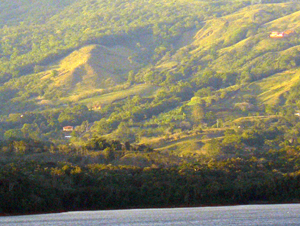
(148, 103)
(240, 42)
(144, 78)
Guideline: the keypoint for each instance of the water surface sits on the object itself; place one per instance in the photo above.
(285, 214)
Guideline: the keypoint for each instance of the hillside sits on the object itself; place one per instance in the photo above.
(140, 78)
(122, 104)
(240, 42)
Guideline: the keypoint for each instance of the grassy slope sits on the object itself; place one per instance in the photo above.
(83, 74)
(94, 67)
(231, 56)
(241, 40)
(142, 90)
(190, 145)
(269, 90)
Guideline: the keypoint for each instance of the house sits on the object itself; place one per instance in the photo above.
(97, 107)
(68, 128)
(276, 34)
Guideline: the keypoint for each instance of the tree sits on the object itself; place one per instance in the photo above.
(83, 127)
(109, 154)
(29, 130)
(124, 133)
(130, 78)
(210, 116)
(246, 77)
(13, 133)
(198, 113)
(102, 127)
(20, 147)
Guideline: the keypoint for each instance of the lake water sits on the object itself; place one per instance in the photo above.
(287, 214)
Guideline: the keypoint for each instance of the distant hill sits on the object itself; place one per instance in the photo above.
(148, 67)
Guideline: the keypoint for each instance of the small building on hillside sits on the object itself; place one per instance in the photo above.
(68, 128)
(276, 34)
(97, 107)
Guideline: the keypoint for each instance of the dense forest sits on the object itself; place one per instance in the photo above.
(186, 102)
(241, 169)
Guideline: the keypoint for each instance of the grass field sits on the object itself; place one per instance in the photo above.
(143, 90)
(271, 88)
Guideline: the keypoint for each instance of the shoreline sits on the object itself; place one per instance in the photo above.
(150, 207)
